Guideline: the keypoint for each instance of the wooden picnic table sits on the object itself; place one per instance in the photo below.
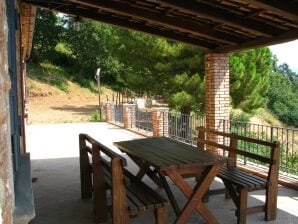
(159, 157)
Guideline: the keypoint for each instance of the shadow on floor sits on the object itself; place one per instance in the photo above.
(57, 198)
(78, 110)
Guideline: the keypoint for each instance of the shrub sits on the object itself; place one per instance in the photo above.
(95, 116)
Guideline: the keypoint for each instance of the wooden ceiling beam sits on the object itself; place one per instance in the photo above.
(116, 21)
(260, 42)
(220, 16)
(281, 8)
(162, 20)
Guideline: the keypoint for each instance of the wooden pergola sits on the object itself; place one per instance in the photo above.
(218, 26)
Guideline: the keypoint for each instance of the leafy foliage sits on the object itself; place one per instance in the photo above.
(48, 30)
(89, 47)
(158, 66)
(249, 71)
(283, 100)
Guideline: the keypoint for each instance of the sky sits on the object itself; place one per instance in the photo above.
(287, 53)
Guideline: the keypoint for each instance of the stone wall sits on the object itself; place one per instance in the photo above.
(6, 183)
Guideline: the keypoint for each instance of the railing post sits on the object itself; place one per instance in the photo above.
(160, 121)
(110, 112)
(129, 115)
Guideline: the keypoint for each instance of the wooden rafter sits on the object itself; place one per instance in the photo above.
(117, 21)
(162, 20)
(216, 25)
(261, 42)
(220, 16)
(279, 7)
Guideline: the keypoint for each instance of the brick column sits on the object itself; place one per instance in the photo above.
(160, 121)
(110, 112)
(217, 92)
(129, 115)
(6, 170)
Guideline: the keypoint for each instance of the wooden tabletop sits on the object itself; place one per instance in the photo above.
(164, 153)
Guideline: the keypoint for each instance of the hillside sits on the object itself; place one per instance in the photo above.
(48, 104)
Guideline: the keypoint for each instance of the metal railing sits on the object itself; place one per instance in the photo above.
(183, 127)
(144, 120)
(118, 113)
(288, 138)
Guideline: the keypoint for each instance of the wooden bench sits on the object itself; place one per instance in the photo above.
(130, 196)
(238, 182)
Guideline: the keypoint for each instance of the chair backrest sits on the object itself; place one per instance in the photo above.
(270, 157)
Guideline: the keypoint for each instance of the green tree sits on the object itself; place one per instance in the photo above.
(48, 31)
(184, 72)
(163, 67)
(283, 100)
(90, 48)
(249, 71)
(139, 53)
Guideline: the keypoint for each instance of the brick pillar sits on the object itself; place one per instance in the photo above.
(110, 112)
(160, 121)
(129, 115)
(217, 93)
(6, 170)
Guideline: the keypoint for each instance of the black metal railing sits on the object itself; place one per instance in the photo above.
(144, 120)
(288, 138)
(183, 127)
(118, 113)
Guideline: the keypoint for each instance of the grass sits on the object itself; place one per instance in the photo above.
(58, 76)
(269, 117)
(50, 74)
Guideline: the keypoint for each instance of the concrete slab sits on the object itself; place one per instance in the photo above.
(55, 163)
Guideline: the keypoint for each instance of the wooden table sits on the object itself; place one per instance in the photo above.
(160, 156)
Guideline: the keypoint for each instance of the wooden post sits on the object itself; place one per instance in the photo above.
(85, 169)
(271, 192)
(120, 207)
(99, 188)
(202, 136)
(232, 162)
(161, 215)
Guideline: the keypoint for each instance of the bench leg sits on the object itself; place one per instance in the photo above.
(242, 206)
(271, 203)
(161, 215)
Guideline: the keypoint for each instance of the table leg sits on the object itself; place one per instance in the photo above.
(170, 195)
(145, 169)
(195, 195)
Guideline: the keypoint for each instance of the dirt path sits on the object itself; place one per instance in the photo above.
(47, 104)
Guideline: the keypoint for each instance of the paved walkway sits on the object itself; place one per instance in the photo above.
(54, 153)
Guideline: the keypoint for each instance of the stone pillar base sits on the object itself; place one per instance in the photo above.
(110, 112)
(129, 115)
(160, 121)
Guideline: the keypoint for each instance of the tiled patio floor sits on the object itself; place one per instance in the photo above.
(54, 154)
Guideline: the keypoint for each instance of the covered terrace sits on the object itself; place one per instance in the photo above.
(219, 26)
(56, 172)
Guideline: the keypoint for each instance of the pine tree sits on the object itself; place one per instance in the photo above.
(249, 71)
